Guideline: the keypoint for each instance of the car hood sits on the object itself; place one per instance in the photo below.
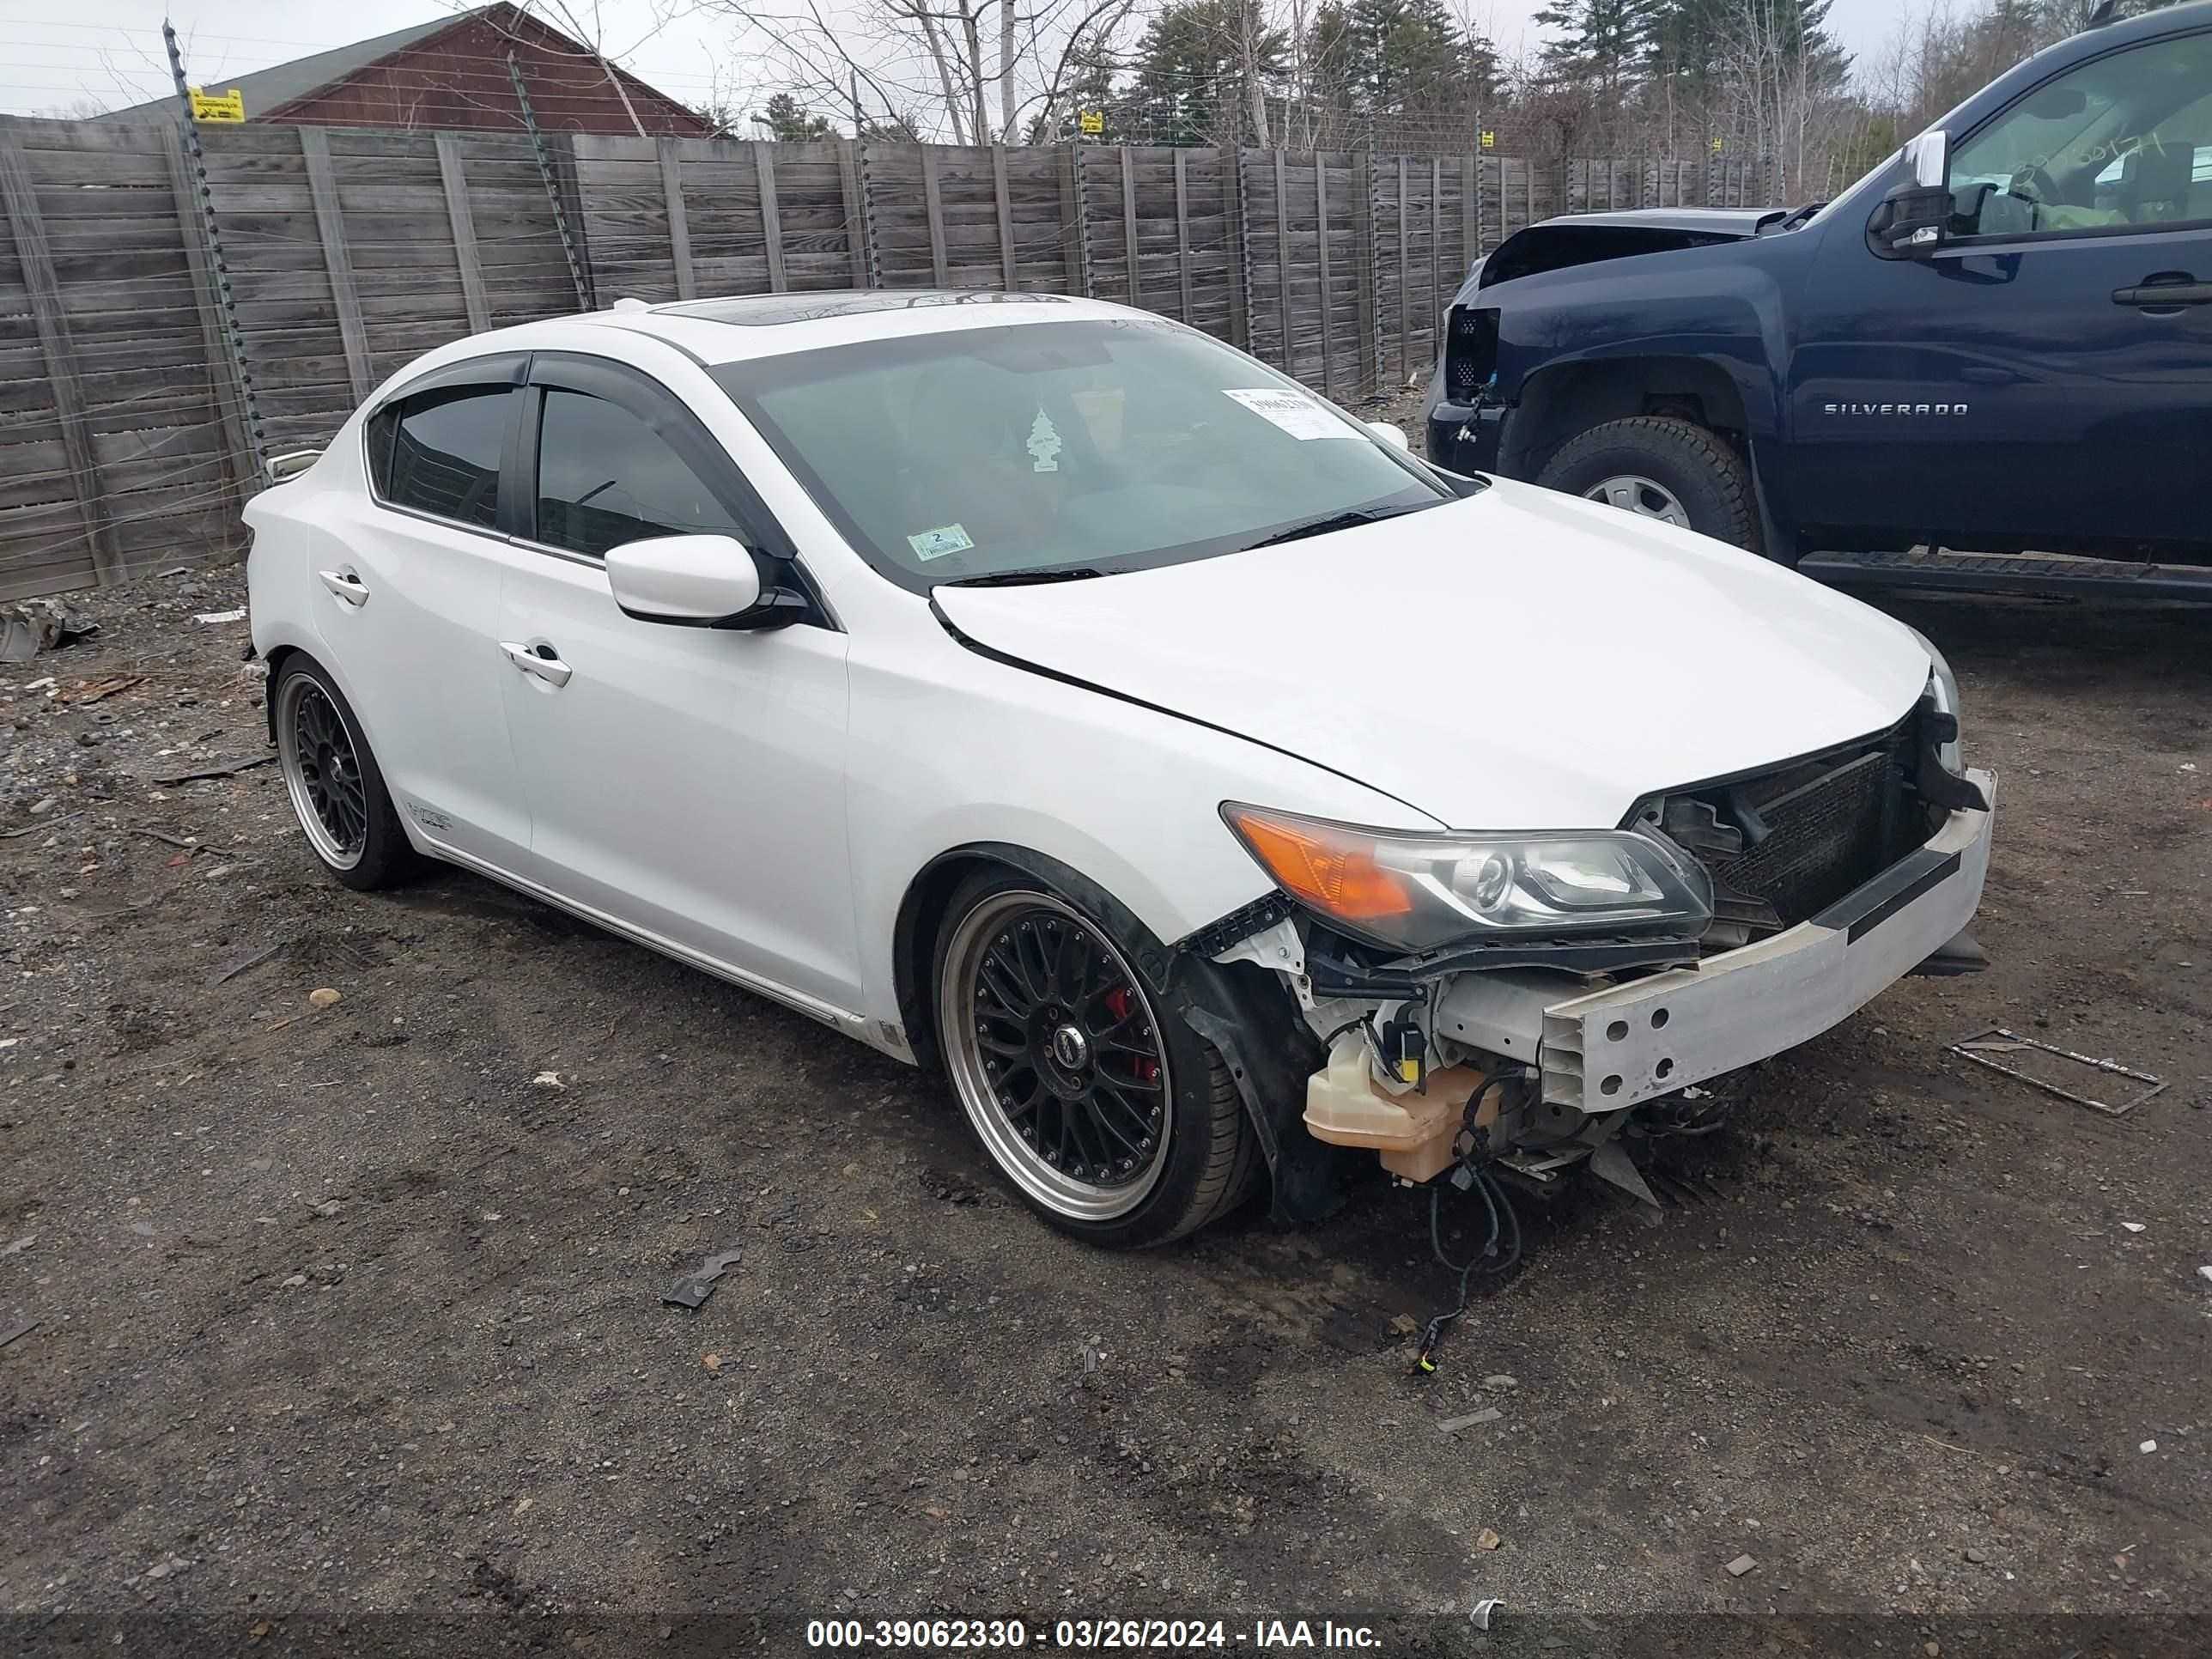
(1516, 659)
(1575, 239)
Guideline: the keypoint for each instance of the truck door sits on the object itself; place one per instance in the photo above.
(2041, 379)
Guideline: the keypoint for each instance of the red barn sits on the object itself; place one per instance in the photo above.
(452, 73)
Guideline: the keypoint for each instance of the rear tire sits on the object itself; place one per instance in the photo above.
(1697, 472)
(336, 787)
(1109, 1117)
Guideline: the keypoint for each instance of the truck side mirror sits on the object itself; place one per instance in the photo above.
(1914, 216)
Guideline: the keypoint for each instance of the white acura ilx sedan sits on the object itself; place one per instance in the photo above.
(1045, 691)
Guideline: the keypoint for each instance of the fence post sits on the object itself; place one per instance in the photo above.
(1240, 251)
(1363, 267)
(999, 199)
(58, 353)
(453, 178)
(679, 221)
(1405, 280)
(1436, 234)
(855, 205)
(578, 278)
(933, 203)
(223, 382)
(1074, 220)
(1283, 253)
(1129, 226)
(329, 227)
(1182, 231)
(1328, 311)
(1470, 216)
(771, 215)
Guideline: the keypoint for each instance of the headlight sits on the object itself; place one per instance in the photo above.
(1415, 893)
(1943, 685)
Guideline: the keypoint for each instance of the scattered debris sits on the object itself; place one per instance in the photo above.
(20, 1245)
(1480, 1617)
(1454, 1425)
(695, 1287)
(712, 1362)
(15, 1331)
(1501, 1381)
(1487, 1539)
(36, 625)
(1405, 1325)
(1740, 1566)
(1089, 1359)
(1995, 1039)
(98, 690)
(2133, 1226)
(548, 1080)
(296, 1281)
(324, 997)
(218, 769)
(189, 843)
(214, 616)
(2147, 1447)
(1977, 1556)
(951, 1188)
(2205, 1272)
(251, 959)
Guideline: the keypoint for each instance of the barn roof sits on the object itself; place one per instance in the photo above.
(268, 90)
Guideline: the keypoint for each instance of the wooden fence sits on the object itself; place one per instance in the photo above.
(128, 433)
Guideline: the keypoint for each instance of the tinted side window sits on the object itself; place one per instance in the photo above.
(605, 477)
(2111, 144)
(439, 453)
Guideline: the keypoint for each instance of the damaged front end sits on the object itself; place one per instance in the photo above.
(1517, 1002)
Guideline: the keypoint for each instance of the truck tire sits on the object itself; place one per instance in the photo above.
(1665, 468)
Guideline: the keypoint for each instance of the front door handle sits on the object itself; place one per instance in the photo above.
(539, 660)
(2165, 288)
(345, 586)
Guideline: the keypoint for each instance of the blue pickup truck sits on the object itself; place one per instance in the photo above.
(1997, 342)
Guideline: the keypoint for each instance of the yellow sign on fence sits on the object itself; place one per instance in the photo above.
(1091, 122)
(218, 105)
(1489, 139)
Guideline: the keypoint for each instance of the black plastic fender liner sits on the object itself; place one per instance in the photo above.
(1245, 1011)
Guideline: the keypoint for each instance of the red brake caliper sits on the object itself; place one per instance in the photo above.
(1117, 1001)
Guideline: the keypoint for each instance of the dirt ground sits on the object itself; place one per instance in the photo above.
(350, 1333)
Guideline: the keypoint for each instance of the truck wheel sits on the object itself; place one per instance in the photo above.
(1662, 468)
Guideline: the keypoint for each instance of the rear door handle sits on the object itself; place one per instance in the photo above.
(345, 586)
(548, 666)
(2176, 289)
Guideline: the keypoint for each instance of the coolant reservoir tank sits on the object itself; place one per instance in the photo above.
(1413, 1132)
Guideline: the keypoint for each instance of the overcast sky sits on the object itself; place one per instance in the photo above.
(53, 54)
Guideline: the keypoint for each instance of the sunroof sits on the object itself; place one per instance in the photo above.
(759, 310)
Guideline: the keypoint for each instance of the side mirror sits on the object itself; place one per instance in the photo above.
(692, 581)
(1390, 433)
(1913, 215)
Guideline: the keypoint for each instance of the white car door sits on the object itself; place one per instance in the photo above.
(412, 575)
(685, 782)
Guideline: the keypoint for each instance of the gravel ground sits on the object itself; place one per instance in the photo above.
(349, 1337)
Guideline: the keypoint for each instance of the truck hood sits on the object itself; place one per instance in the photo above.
(1517, 660)
(1579, 239)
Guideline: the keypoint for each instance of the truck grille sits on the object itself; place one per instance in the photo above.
(1782, 846)
(1470, 353)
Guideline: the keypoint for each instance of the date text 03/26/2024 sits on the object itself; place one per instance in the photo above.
(1088, 1635)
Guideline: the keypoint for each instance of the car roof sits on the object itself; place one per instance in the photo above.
(730, 330)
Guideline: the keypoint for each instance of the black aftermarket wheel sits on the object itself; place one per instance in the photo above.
(336, 789)
(1111, 1118)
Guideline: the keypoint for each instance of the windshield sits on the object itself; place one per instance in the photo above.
(1063, 448)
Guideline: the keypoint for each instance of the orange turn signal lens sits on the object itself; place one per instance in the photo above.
(1331, 870)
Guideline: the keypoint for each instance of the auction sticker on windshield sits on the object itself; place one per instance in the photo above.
(936, 543)
(1296, 413)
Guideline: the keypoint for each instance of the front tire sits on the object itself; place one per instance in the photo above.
(1661, 467)
(336, 786)
(1109, 1117)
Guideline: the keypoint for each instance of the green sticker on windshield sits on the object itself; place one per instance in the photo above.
(929, 545)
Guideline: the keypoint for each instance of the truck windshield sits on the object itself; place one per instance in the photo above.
(1064, 449)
